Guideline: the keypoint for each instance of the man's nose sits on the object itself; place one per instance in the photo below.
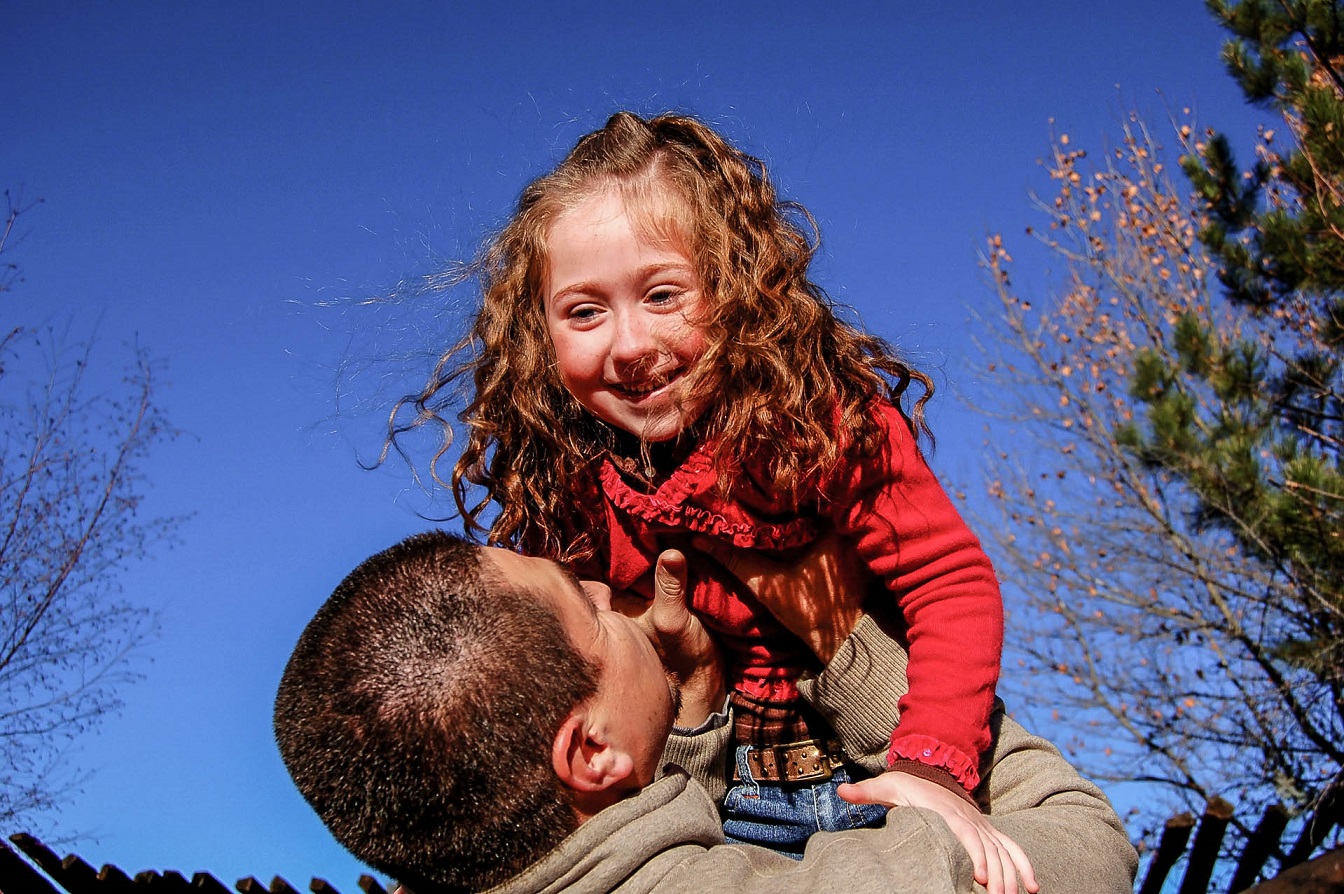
(599, 594)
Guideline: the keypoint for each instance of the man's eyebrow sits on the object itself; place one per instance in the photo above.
(578, 588)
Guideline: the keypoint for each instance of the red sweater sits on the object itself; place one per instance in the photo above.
(903, 526)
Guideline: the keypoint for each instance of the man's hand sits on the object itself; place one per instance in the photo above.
(997, 859)
(683, 644)
(816, 596)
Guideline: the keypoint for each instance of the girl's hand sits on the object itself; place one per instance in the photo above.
(817, 596)
(997, 859)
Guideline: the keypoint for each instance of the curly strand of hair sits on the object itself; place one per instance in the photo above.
(780, 360)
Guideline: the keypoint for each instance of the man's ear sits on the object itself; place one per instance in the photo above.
(584, 758)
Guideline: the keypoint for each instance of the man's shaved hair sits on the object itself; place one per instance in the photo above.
(417, 712)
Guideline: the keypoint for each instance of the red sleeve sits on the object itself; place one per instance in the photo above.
(906, 529)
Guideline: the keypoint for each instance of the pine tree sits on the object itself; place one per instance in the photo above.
(1168, 467)
(1267, 466)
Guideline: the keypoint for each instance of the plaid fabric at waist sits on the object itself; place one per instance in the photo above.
(757, 722)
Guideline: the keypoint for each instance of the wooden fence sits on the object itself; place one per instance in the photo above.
(30, 867)
(71, 875)
(1294, 871)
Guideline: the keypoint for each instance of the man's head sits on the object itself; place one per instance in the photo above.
(453, 712)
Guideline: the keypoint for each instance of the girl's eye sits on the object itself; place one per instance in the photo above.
(664, 296)
(583, 312)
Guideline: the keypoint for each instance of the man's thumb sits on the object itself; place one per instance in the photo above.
(669, 578)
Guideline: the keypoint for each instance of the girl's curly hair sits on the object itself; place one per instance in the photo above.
(786, 384)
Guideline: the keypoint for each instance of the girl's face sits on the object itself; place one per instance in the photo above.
(621, 307)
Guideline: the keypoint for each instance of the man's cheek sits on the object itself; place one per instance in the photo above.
(632, 605)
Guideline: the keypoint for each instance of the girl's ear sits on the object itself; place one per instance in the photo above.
(582, 757)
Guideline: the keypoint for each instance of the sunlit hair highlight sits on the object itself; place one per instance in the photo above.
(785, 383)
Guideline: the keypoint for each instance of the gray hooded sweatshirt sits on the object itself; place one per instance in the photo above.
(668, 838)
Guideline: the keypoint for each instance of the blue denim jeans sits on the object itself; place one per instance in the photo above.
(782, 816)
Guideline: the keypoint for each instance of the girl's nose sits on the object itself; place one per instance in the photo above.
(633, 340)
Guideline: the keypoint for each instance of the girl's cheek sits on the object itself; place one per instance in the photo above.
(697, 344)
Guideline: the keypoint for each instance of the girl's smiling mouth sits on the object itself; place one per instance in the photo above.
(644, 388)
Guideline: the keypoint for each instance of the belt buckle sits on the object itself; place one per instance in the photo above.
(803, 761)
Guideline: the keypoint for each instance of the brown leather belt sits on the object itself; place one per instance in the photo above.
(811, 760)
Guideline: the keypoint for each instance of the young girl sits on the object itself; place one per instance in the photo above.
(652, 363)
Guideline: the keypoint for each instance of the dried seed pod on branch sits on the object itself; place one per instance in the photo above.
(1153, 615)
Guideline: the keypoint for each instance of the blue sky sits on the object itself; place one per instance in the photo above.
(221, 183)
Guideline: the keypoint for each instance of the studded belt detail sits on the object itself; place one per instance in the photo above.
(812, 760)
